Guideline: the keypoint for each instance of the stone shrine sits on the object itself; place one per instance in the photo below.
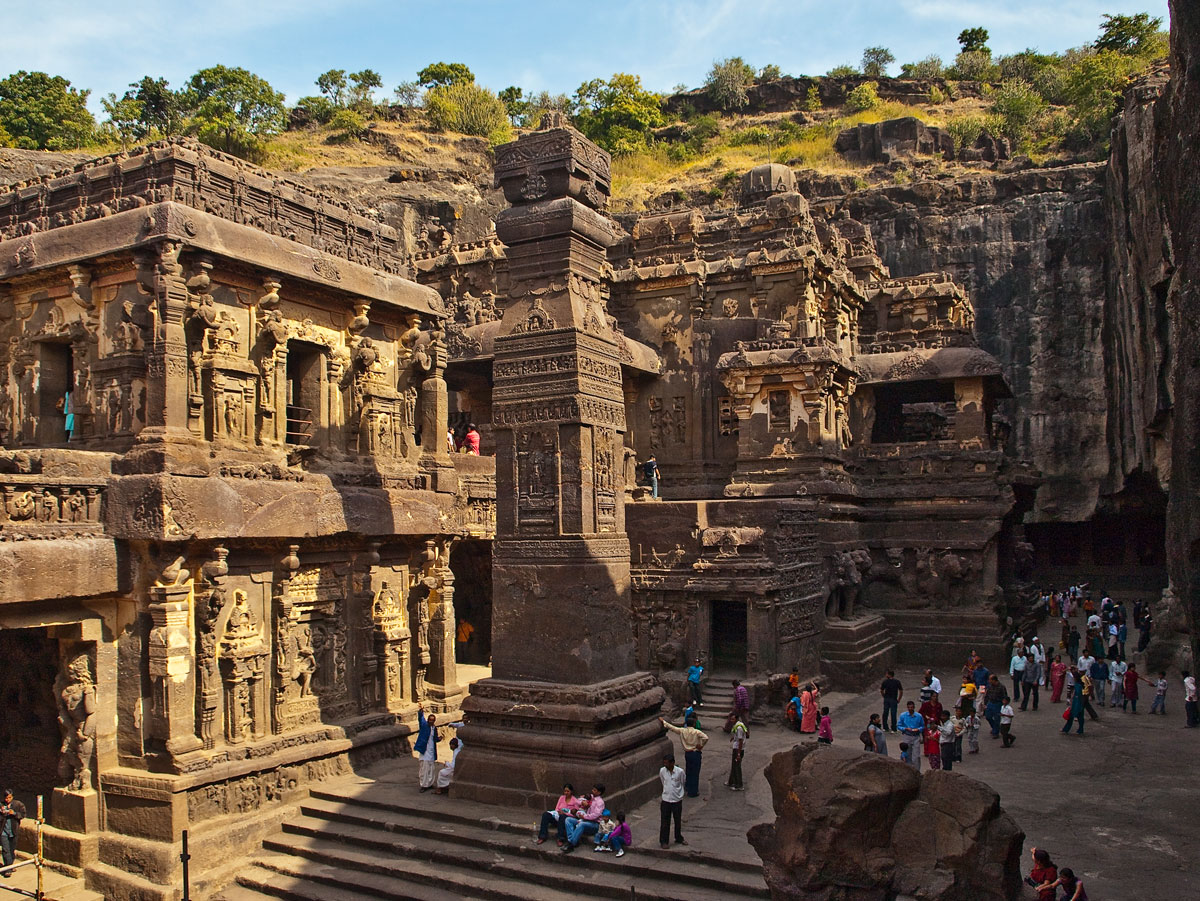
(228, 509)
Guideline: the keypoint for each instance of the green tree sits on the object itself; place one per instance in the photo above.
(974, 40)
(43, 112)
(875, 61)
(468, 109)
(1132, 35)
(812, 99)
(347, 125)
(408, 93)
(965, 130)
(444, 74)
(618, 114)
(361, 85)
(233, 110)
(843, 71)
(333, 85)
(515, 104)
(316, 109)
(863, 97)
(769, 73)
(124, 117)
(974, 65)
(1094, 87)
(1017, 106)
(543, 102)
(727, 82)
(162, 108)
(929, 67)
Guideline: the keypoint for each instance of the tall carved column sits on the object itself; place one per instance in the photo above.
(435, 417)
(172, 671)
(565, 701)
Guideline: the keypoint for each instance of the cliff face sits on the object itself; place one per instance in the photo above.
(1030, 245)
(1179, 163)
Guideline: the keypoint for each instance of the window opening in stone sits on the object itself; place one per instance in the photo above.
(728, 417)
(304, 366)
(729, 635)
(913, 412)
(56, 419)
(779, 411)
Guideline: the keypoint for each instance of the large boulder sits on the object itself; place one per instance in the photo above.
(859, 827)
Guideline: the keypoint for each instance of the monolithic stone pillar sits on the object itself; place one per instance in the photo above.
(565, 701)
(172, 671)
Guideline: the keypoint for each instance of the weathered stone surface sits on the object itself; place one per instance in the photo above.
(1179, 153)
(894, 139)
(858, 827)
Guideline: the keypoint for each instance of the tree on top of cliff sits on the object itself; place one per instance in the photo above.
(727, 82)
(43, 112)
(1134, 35)
(333, 85)
(875, 61)
(436, 74)
(618, 114)
(233, 109)
(974, 40)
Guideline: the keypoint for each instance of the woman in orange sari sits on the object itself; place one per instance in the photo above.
(809, 703)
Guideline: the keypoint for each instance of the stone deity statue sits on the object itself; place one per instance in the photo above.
(75, 690)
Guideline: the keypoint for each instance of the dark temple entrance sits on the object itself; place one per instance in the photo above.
(29, 735)
(729, 635)
(471, 562)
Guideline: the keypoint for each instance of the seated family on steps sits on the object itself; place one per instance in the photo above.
(577, 817)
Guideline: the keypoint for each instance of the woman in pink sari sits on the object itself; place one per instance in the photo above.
(1058, 675)
(809, 703)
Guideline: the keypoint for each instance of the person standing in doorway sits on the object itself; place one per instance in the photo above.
(693, 741)
(891, 691)
(426, 747)
(471, 441)
(650, 473)
(671, 806)
(694, 673)
(11, 814)
(737, 743)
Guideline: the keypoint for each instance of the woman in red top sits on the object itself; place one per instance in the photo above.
(1058, 675)
(933, 745)
(1131, 687)
(1044, 875)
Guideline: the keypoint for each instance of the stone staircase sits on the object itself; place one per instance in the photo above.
(384, 845)
(857, 653)
(718, 698)
(943, 638)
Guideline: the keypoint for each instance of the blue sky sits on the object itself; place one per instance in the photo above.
(539, 44)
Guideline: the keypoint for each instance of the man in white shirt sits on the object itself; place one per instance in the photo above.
(1039, 654)
(1189, 700)
(934, 682)
(1085, 662)
(672, 779)
(1006, 717)
(1016, 669)
(1116, 678)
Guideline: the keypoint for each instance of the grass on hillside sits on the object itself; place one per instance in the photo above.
(638, 177)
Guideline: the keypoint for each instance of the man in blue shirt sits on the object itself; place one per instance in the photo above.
(650, 472)
(695, 671)
(912, 727)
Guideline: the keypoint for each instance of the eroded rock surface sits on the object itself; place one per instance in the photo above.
(859, 827)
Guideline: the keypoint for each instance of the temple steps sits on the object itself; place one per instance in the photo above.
(944, 638)
(389, 847)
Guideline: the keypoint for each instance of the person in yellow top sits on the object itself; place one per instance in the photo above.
(463, 637)
(693, 741)
(966, 695)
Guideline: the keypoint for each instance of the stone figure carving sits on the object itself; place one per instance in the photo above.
(76, 693)
(305, 665)
(729, 306)
(233, 414)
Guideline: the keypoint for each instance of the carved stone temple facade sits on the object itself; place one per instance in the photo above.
(834, 490)
(228, 510)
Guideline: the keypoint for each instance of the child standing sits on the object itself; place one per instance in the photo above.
(971, 731)
(1160, 695)
(933, 746)
(825, 729)
(1006, 718)
(905, 753)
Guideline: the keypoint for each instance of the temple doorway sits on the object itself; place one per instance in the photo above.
(30, 739)
(471, 562)
(729, 636)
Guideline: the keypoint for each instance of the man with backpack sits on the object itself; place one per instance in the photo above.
(11, 814)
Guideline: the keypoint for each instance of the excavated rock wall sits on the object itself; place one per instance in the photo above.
(1030, 246)
(1179, 163)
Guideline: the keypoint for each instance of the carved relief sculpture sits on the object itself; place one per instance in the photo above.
(75, 690)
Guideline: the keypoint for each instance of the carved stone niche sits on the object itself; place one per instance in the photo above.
(172, 675)
(392, 639)
(243, 662)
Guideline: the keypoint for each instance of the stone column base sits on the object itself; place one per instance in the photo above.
(524, 740)
(858, 652)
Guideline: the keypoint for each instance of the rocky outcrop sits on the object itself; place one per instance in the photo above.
(894, 140)
(860, 827)
(1179, 162)
(788, 93)
(1030, 247)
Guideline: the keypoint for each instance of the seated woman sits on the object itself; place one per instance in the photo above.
(562, 809)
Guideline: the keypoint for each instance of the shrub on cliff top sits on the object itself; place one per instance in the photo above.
(863, 97)
(727, 82)
(468, 109)
(1017, 107)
